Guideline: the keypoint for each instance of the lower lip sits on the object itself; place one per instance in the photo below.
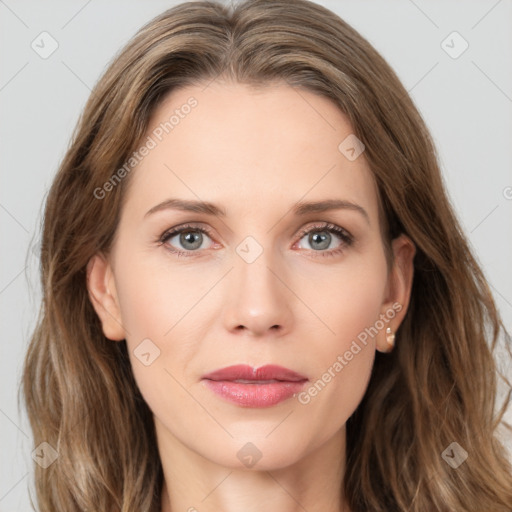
(255, 395)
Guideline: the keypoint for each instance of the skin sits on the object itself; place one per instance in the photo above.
(255, 153)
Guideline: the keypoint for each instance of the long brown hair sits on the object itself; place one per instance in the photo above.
(437, 387)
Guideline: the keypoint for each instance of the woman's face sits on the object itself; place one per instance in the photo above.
(263, 277)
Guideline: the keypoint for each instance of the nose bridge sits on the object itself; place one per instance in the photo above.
(258, 298)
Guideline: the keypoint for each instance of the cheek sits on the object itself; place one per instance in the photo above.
(162, 316)
(347, 299)
(153, 295)
(344, 354)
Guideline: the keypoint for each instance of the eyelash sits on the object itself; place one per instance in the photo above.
(343, 234)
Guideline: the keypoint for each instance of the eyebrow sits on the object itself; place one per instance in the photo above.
(299, 209)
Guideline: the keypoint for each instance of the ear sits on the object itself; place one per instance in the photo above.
(398, 289)
(103, 296)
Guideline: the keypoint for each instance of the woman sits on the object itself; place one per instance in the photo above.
(251, 369)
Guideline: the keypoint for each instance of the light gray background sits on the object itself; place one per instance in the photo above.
(466, 102)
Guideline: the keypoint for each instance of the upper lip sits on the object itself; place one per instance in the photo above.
(245, 372)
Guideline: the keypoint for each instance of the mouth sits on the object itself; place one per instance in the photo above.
(250, 387)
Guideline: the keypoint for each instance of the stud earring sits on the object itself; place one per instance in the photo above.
(390, 338)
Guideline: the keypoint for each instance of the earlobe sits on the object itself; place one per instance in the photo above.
(399, 289)
(103, 296)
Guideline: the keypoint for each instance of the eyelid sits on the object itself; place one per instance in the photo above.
(326, 226)
(169, 233)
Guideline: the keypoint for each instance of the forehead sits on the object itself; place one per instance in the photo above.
(248, 148)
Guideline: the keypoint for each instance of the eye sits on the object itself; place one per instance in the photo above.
(319, 238)
(190, 238)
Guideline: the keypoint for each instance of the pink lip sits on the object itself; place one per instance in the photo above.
(254, 394)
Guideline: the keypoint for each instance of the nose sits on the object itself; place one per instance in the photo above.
(259, 301)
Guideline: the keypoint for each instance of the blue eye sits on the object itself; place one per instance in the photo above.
(191, 237)
(320, 238)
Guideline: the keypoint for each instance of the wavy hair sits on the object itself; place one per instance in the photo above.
(438, 386)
